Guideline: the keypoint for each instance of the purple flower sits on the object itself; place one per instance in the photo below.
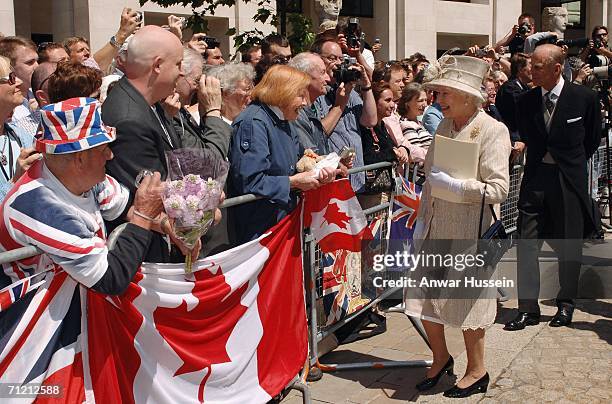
(174, 205)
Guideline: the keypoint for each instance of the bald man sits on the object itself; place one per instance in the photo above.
(40, 82)
(144, 134)
(561, 124)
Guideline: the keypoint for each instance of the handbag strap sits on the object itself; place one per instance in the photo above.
(482, 212)
(374, 136)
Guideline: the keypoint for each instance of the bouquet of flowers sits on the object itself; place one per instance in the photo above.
(192, 192)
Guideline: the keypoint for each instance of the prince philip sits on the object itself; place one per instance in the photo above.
(562, 126)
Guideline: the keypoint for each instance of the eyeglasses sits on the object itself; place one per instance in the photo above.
(601, 35)
(280, 60)
(10, 79)
(331, 58)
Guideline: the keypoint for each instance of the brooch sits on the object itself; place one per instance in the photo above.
(475, 132)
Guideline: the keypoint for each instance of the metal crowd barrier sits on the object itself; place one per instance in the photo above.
(313, 269)
(598, 182)
(509, 208)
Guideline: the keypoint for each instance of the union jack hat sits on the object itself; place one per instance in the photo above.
(72, 126)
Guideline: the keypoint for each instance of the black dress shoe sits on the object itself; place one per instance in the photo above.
(480, 386)
(563, 318)
(522, 320)
(430, 382)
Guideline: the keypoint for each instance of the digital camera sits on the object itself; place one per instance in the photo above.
(344, 74)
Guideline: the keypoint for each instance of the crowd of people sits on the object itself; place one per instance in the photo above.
(78, 128)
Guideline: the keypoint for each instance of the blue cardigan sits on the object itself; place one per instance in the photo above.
(263, 154)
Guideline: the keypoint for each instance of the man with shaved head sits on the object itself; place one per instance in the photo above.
(144, 134)
(40, 81)
(560, 123)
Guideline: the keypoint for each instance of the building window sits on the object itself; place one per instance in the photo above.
(358, 8)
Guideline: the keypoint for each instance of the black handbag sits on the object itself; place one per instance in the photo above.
(494, 242)
(380, 179)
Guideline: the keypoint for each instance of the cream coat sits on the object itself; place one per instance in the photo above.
(439, 219)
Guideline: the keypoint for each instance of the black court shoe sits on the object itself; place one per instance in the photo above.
(430, 382)
(480, 386)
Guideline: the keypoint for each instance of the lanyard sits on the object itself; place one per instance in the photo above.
(10, 135)
(163, 126)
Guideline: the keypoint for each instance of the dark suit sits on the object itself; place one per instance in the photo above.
(141, 144)
(506, 103)
(212, 133)
(554, 202)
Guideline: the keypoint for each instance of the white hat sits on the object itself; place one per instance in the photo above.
(463, 73)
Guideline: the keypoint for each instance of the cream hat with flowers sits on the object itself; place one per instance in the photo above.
(463, 73)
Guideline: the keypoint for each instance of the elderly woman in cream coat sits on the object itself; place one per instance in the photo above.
(458, 84)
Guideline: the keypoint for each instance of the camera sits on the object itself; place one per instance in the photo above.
(597, 43)
(602, 72)
(211, 42)
(139, 16)
(347, 153)
(343, 74)
(571, 43)
(352, 39)
(596, 60)
(482, 52)
(524, 29)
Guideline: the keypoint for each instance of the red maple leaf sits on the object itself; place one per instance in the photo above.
(199, 336)
(333, 215)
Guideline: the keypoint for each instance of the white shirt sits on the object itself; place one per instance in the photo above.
(556, 90)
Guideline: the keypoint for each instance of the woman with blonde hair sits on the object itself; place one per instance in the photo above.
(458, 84)
(264, 153)
(16, 152)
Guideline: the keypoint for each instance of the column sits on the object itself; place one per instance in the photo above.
(417, 28)
(505, 15)
(7, 17)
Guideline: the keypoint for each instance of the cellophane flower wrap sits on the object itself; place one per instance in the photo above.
(192, 191)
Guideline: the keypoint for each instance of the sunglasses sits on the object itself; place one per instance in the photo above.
(10, 79)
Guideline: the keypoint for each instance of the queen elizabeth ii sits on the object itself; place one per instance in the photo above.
(457, 83)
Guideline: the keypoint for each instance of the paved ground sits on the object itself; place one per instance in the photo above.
(534, 365)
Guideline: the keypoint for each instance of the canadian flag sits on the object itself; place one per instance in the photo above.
(233, 332)
(335, 217)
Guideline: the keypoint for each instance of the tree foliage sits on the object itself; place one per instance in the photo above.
(300, 36)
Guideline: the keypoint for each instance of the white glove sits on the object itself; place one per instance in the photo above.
(440, 180)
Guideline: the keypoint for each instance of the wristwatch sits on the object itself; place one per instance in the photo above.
(113, 41)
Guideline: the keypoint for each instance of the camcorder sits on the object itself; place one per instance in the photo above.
(344, 74)
(211, 42)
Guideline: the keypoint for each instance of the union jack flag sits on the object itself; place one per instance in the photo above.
(405, 211)
(17, 290)
(72, 125)
(234, 332)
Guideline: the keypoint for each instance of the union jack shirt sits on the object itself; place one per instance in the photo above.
(39, 211)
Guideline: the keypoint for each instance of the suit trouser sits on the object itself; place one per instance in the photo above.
(548, 209)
